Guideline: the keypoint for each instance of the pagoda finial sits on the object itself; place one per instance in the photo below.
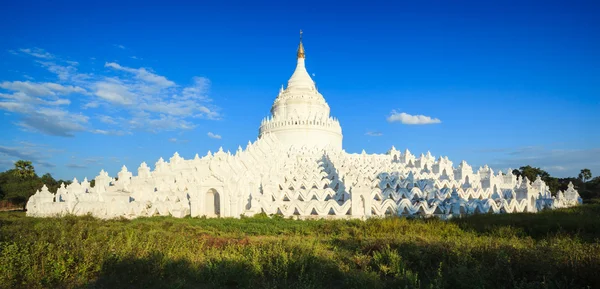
(300, 47)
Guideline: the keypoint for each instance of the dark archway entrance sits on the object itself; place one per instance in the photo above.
(212, 202)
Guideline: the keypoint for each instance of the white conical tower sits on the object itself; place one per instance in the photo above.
(300, 114)
(300, 79)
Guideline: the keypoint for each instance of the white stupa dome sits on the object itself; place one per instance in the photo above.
(300, 115)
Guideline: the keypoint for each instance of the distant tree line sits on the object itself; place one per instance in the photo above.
(19, 183)
(588, 187)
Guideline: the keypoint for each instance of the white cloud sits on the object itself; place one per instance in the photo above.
(143, 74)
(15, 152)
(28, 151)
(176, 140)
(212, 135)
(406, 118)
(554, 168)
(60, 89)
(142, 99)
(13, 106)
(109, 132)
(54, 122)
(61, 101)
(93, 160)
(30, 144)
(373, 133)
(99, 131)
(40, 89)
(67, 72)
(107, 119)
(91, 104)
(160, 123)
(114, 91)
(197, 90)
(76, 166)
(119, 46)
(41, 107)
(37, 52)
(27, 87)
(157, 103)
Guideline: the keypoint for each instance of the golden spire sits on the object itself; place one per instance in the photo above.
(300, 47)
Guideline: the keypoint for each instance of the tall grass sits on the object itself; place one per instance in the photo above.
(555, 249)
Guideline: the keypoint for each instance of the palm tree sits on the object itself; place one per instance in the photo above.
(24, 169)
(585, 175)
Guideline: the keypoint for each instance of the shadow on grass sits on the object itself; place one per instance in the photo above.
(156, 271)
(441, 264)
(374, 264)
(581, 221)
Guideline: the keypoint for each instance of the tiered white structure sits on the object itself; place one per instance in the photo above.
(297, 167)
(300, 114)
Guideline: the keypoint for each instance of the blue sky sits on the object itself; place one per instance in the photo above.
(86, 85)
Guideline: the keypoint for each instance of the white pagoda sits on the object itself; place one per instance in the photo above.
(297, 168)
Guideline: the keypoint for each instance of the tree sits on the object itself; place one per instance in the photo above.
(47, 178)
(50, 182)
(585, 175)
(17, 189)
(66, 182)
(553, 184)
(531, 173)
(516, 172)
(24, 169)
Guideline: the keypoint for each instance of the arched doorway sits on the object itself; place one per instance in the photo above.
(212, 203)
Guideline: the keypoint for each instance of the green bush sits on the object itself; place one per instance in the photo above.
(554, 249)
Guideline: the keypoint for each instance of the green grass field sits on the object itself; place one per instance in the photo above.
(555, 249)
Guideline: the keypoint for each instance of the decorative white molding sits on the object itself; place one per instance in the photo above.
(302, 182)
(297, 168)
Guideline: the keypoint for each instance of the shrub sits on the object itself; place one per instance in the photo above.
(554, 249)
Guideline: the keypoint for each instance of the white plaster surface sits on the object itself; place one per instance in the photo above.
(297, 167)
